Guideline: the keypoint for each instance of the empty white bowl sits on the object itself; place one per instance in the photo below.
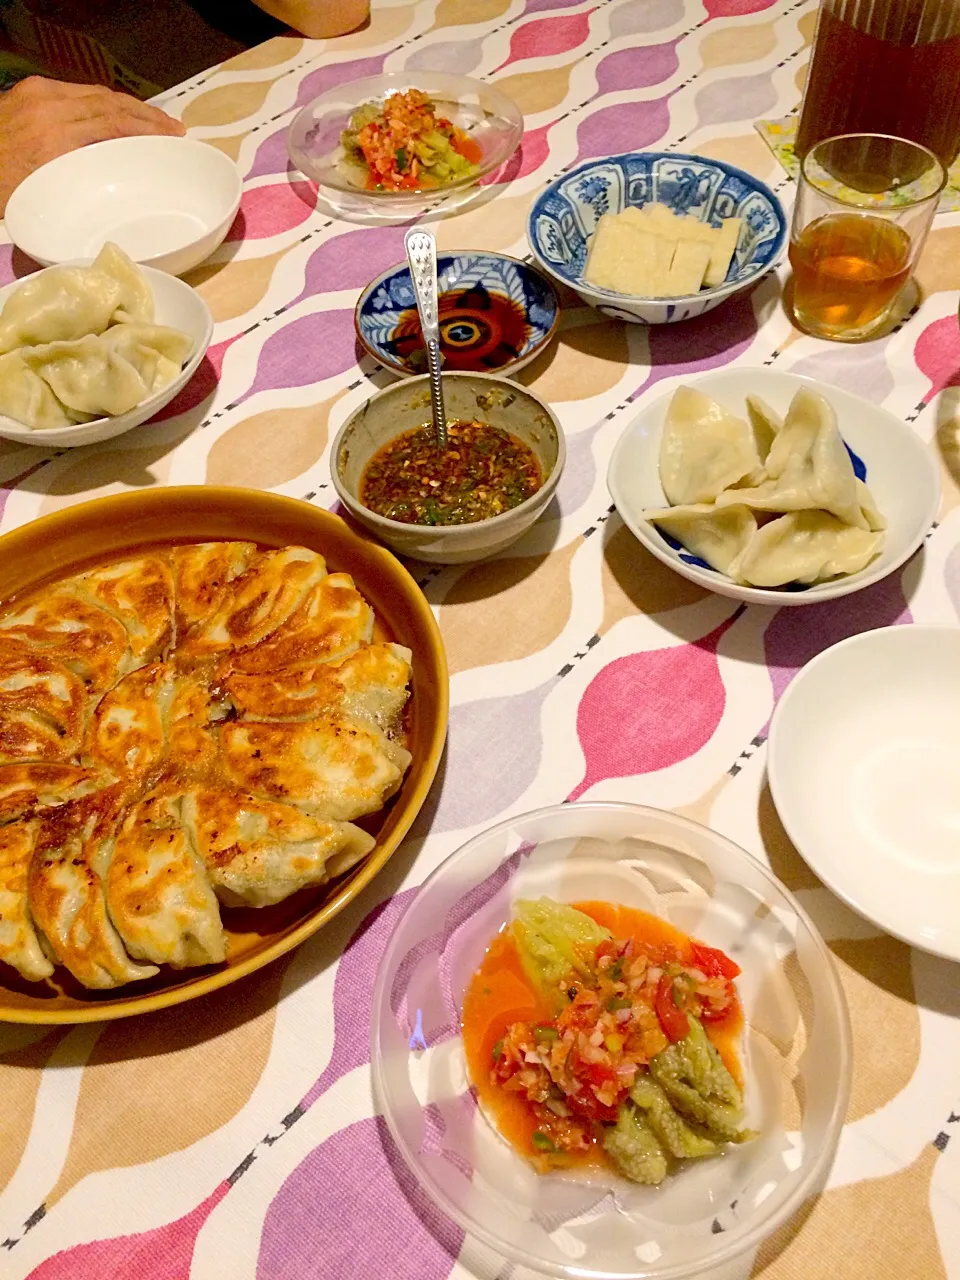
(176, 305)
(899, 469)
(167, 202)
(864, 757)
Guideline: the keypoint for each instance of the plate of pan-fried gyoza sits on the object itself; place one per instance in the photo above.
(220, 711)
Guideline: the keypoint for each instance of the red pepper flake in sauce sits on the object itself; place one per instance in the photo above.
(483, 472)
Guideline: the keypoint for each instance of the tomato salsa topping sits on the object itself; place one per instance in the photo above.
(597, 1034)
(482, 472)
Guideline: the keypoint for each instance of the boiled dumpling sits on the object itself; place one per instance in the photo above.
(88, 375)
(58, 305)
(807, 467)
(876, 520)
(804, 547)
(25, 397)
(716, 534)
(136, 296)
(766, 424)
(156, 351)
(704, 449)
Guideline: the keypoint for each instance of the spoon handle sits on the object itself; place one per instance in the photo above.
(422, 258)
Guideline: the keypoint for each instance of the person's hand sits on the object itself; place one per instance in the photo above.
(41, 119)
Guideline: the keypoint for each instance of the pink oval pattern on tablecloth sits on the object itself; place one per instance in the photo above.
(648, 711)
(268, 211)
(548, 36)
(164, 1253)
(937, 353)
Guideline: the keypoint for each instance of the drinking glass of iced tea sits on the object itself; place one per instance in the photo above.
(864, 207)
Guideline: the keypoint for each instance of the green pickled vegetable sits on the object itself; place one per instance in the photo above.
(555, 942)
(670, 1128)
(634, 1148)
(692, 1074)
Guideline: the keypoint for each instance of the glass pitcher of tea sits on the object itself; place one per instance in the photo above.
(885, 66)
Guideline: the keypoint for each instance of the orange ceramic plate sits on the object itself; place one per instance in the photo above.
(108, 528)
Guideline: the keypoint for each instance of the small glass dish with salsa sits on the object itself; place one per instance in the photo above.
(557, 1128)
(498, 474)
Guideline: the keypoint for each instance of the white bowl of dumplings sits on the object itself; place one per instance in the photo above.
(91, 349)
(772, 488)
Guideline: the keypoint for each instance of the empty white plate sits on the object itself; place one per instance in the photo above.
(167, 202)
(864, 767)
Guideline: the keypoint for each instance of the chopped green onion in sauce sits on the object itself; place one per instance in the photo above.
(482, 472)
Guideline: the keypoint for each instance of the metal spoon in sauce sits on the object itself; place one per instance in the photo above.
(422, 258)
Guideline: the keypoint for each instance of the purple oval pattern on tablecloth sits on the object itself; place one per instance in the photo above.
(868, 376)
(335, 73)
(352, 260)
(454, 56)
(741, 98)
(639, 17)
(637, 68)
(353, 993)
(627, 126)
(479, 784)
(305, 351)
(797, 635)
(356, 1177)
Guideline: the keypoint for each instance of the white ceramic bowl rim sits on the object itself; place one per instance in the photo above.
(453, 530)
(820, 1160)
(795, 691)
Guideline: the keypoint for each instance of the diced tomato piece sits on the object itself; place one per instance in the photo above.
(713, 962)
(467, 147)
(675, 1023)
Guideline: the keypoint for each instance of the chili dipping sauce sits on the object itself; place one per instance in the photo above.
(482, 472)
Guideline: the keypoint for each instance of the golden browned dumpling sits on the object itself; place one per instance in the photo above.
(187, 728)
(258, 852)
(19, 944)
(158, 892)
(66, 629)
(150, 714)
(370, 686)
(139, 594)
(201, 574)
(25, 788)
(257, 603)
(332, 621)
(339, 769)
(66, 888)
(43, 706)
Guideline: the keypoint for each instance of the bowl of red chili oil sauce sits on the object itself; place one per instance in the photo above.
(495, 478)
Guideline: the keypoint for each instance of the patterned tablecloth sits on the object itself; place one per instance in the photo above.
(236, 1137)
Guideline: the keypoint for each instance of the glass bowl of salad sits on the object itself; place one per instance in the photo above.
(609, 1044)
(405, 138)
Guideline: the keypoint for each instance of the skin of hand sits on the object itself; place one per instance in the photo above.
(318, 19)
(41, 119)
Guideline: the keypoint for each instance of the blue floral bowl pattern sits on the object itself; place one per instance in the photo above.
(496, 315)
(565, 216)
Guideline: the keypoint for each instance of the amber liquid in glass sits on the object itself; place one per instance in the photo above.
(858, 83)
(847, 270)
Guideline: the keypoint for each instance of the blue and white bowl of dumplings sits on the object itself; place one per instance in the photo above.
(87, 369)
(566, 214)
(883, 487)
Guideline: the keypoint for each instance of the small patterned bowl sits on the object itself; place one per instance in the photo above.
(566, 214)
(496, 315)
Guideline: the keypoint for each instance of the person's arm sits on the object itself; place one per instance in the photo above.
(318, 19)
(41, 119)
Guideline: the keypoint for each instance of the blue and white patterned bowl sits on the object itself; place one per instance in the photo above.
(566, 214)
(496, 315)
